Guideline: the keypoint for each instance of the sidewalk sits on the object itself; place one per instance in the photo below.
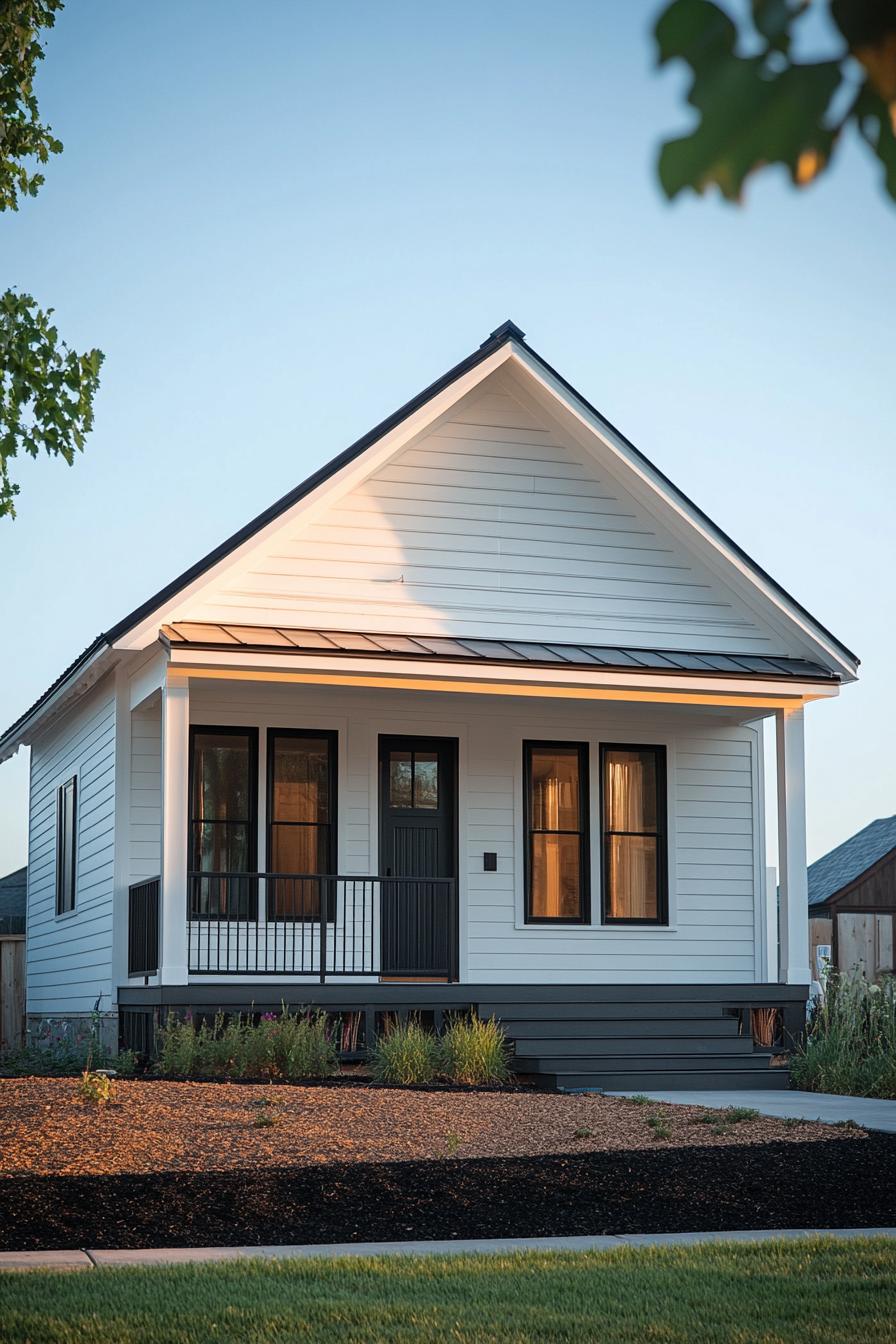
(88, 1259)
(868, 1112)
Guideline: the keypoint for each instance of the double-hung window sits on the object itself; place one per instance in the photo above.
(301, 821)
(223, 822)
(633, 805)
(556, 808)
(66, 845)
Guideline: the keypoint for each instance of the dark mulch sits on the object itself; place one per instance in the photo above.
(840, 1183)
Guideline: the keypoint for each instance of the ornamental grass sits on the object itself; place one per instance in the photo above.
(850, 1045)
(279, 1045)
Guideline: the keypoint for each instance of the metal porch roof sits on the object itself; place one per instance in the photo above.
(285, 639)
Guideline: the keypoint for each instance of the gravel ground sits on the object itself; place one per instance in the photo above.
(47, 1129)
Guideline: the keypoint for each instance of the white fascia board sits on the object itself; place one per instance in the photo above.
(46, 711)
(327, 493)
(642, 470)
(490, 674)
(148, 676)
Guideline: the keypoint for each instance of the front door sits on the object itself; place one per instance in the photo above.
(418, 851)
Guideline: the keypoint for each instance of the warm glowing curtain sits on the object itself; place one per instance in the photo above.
(631, 832)
(556, 830)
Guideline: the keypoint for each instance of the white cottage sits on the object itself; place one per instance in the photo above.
(472, 717)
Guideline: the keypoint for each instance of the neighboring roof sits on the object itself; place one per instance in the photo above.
(13, 900)
(836, 870)
(507, 332)
(283, 639)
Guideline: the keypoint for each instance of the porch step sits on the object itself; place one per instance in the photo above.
(635, 1080)
(583, 1010)
(667, 1063)
(666, 1040)
(724, 1028)
(632, 1047)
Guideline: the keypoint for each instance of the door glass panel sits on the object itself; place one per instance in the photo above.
(632, 877)
(555, 789)
(426, 779)
(401, 776)
(556, 877)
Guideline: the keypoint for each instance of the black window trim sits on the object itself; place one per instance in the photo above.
(71, 782)
(229, 730)
(331, 736)
(662, 838)
(584, 917)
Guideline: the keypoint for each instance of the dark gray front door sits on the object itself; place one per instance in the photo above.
(418, 850)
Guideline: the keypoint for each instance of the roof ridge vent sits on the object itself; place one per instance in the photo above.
(505, 332)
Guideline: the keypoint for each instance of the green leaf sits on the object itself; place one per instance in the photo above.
(875, 122)
(46, 389)
(774, 20)
(23, 136)
(750, 114)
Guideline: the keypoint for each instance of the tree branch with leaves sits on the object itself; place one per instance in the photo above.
(47, 390)
(769, 107)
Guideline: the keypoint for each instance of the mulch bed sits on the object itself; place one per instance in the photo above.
(777, 1185)
(185, 1164)
(48, 1129)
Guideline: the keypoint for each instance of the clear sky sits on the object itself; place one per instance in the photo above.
(280, 220)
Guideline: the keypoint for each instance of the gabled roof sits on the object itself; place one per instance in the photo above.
(836, 870)
(508, 334)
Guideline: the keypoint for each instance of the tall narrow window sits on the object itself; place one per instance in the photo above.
(66, 845)
(633, 785)
(556, 777)
(223, 811)
(301, 820)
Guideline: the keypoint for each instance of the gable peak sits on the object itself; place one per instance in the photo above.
(507, 331)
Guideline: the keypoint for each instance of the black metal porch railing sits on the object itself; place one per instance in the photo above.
(143, 927)
(320, 925)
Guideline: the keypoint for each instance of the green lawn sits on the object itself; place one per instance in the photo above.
(773, 1293)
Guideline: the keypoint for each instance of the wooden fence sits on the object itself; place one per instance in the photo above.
(12, 989)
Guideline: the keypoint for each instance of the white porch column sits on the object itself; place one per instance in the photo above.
(175, 758)
(793, 910)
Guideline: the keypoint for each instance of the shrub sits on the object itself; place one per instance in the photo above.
(406, 1053)
(285, 1045)
(475, 1051)
(97, 1088)
(656, 1122)
(850, 1044)
(125, 1063)
(59, 1047)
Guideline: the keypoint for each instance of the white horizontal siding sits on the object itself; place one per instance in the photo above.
(713, 870)
(490, 525)
(145, 825)
(69, 957)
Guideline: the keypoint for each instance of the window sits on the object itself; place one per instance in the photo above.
(223, 811)
(556, 803)
(301, 819)
(414, 779)
(66, 845)
(633, 788)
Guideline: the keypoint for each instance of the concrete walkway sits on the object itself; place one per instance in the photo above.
(865, 1111)
(198, 1255)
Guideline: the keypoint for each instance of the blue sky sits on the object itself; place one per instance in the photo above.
(281, 220)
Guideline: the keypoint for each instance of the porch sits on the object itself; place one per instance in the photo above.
(584, 845)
